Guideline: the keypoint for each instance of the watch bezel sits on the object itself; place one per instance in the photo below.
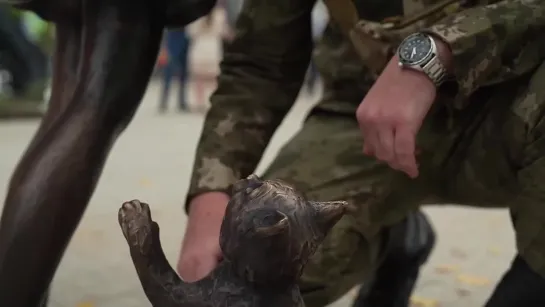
(429, 55)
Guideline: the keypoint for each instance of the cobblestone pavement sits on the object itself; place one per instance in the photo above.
(152, 161)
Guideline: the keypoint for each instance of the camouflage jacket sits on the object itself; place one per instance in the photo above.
(263, 70)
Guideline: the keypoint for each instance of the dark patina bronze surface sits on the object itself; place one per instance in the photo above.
(105, 53)
(267, 236)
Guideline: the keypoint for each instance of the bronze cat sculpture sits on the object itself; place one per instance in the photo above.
(268, 234)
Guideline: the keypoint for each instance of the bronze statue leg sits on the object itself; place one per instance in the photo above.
(63, 85)
(94, 98)
(65, 66)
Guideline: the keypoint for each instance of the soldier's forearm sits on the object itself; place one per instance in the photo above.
(261, 74)
(234, 137)
(482, 38)
(246, 111)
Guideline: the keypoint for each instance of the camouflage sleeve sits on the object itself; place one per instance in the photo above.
(261, 74)
(493, 43)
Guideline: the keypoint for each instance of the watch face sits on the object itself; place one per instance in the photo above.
(415, 49)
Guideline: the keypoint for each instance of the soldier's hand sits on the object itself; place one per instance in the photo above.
(391, 114)
(200, 252)
(393, 110)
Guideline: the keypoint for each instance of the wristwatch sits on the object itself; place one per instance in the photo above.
(418, 51)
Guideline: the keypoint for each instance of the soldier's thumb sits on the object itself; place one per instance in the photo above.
(205, 266)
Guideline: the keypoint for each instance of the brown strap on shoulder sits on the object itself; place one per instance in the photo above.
(428, 11)
(344, 13)
(373, 52)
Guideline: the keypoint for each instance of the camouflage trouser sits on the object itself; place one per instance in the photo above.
(490, 154)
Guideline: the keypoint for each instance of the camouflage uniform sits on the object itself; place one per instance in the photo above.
(482, 144)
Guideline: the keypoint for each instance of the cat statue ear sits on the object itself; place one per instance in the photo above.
(328, 213)
(249, 184)
(272, 224)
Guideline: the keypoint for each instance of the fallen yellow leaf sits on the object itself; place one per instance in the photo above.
(473, 280)
(496, 221)
(417, 301)
(446, 269)
(463, 292)
(494, 251)
(85, 304)
(145, 182)
(458, 253)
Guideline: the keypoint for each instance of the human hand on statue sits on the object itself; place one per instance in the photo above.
(200, 252)
(392, 113)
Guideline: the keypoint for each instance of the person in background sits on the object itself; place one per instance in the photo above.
(24, 65)
(232, 9)
(177, 45)
(41, 33)
(320, 18)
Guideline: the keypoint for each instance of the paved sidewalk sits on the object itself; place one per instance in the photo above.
(152, 161)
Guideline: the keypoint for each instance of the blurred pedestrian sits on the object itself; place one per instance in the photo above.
(231, 9)
(177, 45)
(42, 34)
(320, 18)
(23, 64)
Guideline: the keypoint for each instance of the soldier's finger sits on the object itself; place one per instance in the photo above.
(371, 140)
(385, 144)
(187, 270)
(367, 139)
(193, 270)
(367, 150)
(405, 151)
(205, 267)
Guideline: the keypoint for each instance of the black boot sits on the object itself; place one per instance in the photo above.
(182, 102)
(407, 246)
(45, 299)
(520, 286)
